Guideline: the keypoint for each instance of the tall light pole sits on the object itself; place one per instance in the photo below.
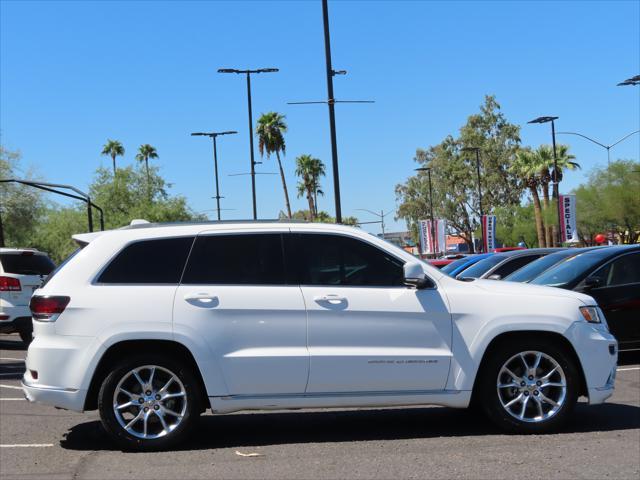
(433, 224)
(606, 147)
(380, 215)
(556, 188)
(477, 150)
(253, 162)
(214, 135)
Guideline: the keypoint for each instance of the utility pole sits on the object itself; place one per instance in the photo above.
(380, 215)
(214, 135)
(251, 156)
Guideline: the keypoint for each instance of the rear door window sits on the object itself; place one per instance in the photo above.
(158, 261)
(26, 263)
(240, 259)
(515, 264)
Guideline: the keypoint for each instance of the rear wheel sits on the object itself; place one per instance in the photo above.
(529, 386)
(148, 402)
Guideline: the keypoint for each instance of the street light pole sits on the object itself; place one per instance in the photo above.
(251, 155)
(606, 147)
(214, 135)
(556, 186)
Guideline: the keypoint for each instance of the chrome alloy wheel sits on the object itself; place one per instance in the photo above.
(149, 402)
(531, 386)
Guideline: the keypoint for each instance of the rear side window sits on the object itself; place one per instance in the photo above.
(26, 263)
(150, 261)
(515, 264)
(247, 259)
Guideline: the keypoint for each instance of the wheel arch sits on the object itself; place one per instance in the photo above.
(553, 338)
(119, 349)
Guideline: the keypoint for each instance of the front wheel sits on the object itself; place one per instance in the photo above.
(148, 402)
(529, 387)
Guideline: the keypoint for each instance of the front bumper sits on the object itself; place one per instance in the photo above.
(597, 351)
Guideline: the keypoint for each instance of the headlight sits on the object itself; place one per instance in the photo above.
(591, 314)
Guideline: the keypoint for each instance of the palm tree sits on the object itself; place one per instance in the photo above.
(270, 131)
(145, 152)
(113, 149)
(310, 170)
(564, 161)
(527, 167)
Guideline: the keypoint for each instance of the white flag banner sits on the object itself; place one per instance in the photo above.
(425, 237)
(441, 235)
(568, 216)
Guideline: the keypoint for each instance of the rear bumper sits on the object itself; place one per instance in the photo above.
(66, 398)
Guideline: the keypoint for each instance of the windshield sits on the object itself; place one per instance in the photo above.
(482, 267)
(531, 271)
(565, 273)
(453, 265)
(26, 263)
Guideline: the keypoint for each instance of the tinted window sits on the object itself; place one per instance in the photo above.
(481, 267)
(340, 260)
(149, 261)
(534, 269)
(454, 265)
(566, 273)
(255, 259)
(516, 264)
(26, 263)
(622, 271)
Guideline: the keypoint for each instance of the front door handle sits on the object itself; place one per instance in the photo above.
(331, 298)
(202, 299)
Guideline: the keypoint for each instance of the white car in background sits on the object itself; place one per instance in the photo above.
(22, 271)
(153, 324)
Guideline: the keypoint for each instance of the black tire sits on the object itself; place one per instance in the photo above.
(26, 336)
(489, 398)
(119, 372)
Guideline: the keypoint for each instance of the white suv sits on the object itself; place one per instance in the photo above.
(153, 324)
(22, 270)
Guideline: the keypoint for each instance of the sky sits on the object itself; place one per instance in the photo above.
(73, 74)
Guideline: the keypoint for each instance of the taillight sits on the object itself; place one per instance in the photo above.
(47, 308)
(10, 284)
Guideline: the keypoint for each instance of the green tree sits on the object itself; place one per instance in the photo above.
(453, 170)
(609, 202)
(21, 206)
(145, 152)
(515, 224)
(270, 131)
(310, 169)
(113, 149)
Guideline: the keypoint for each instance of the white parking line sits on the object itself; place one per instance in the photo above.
(27, 445)
(14, 359)
(10, 386)
(627, 369)
(11, 399)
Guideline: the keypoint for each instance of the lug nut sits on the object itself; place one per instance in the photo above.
(157, 397)
(526, 394)
(156, 407)
(538, 383)
(530, 377)
(522, 384)
(141, 400)
(146, 409)
(148, 392)
(535, 392)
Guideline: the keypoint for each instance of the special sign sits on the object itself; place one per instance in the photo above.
(568, 216)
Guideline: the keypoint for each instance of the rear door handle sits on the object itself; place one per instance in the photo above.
(331, 298)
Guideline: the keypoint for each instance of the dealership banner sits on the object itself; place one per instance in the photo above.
(488, 233)
(428, 243)
(568, 216)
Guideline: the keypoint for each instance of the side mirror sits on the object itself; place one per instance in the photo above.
(592, 282)
(495, 276)
(414, 276)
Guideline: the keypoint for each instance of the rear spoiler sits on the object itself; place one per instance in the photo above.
(84, 239)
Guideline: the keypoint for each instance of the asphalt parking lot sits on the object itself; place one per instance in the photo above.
(601, 442)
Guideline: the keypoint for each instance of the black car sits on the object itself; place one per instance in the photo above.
(612, 277)
(536, 268)
(498, 266)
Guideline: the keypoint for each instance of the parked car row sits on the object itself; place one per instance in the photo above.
(611, 275)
